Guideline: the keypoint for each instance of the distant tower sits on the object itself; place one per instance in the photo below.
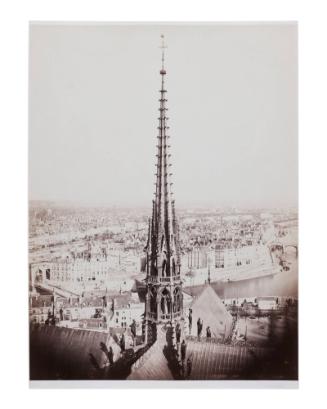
(164, 300)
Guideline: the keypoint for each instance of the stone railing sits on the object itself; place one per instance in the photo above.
(211, 340)
(168, 316)
(168, 279)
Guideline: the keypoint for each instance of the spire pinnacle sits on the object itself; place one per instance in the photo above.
(163, 46)
(164, 301)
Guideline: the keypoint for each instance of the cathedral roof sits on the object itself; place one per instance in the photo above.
(209, 307)
(213, 361)
(65, 353)
(155, 367)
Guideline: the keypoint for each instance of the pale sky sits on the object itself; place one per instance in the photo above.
(232, 100)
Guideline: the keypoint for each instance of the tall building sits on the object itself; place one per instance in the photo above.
(164, 299)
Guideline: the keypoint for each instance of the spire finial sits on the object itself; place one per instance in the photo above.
(163, 46)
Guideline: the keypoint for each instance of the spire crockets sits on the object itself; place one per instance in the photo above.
(163, 248)
(164, 297)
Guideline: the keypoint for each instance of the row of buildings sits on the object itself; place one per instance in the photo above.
(82, 272)
(97, 312)
(223, 255)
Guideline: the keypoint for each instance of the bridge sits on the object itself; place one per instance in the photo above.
(53, 289)
(295, 246)
(278, 245)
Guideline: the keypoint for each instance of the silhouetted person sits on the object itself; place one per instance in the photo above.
(178, 333)
(200, 325)
(189, 367)
(94, 362)
(122, 343)
(111, 355)
(190, 320)
(133, 328)
(208, 332)
(183, 350)
(108, 352)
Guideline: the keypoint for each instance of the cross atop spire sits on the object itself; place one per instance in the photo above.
(164, 299)
(163, 47)
(163, 247)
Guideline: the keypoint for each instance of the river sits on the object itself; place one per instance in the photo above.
(281, 284)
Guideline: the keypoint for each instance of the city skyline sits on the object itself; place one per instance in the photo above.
(93, 94)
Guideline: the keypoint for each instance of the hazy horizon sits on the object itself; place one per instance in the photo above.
(148, 206)
(232, 100)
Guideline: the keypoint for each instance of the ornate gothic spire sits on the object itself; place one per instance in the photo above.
(164, 259)
(164, 298)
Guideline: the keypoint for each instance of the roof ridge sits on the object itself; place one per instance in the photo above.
(196, 297)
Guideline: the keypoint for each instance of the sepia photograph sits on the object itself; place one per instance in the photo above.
(163, 202)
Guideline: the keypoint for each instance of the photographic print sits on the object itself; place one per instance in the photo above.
(163, 202)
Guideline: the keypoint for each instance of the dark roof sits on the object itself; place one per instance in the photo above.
(212, 360)
(64, 353)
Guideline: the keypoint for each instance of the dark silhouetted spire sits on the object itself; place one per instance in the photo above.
(164, 249)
